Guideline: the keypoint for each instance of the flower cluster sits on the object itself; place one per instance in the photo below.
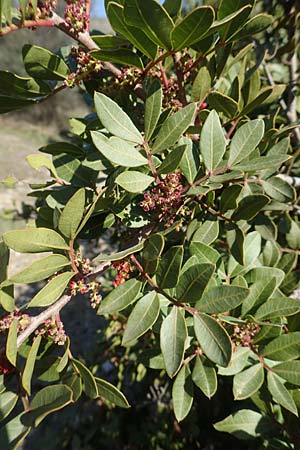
(243, 335)
(53, 328)
(123, 268)
(76, 15)
(80, 285)
(165, 199)
(45, 8)
(86, 67)
(5, 322)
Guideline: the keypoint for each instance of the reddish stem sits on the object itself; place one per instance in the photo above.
(27, 24)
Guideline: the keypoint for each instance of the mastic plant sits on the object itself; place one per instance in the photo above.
(187, 169)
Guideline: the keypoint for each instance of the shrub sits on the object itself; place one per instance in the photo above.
(187, 167)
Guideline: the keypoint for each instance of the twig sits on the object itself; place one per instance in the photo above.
(150, 162)
(29, 24)
(39, 319)
(180, 79)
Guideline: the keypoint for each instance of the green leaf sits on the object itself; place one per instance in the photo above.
(133, 181)
(254, 25)
(8, 103)
(22, 87)
(52, 291)
(75, 384)
(173, 335)
(37, 161)
(89, 382)
(119, 255)
(289, 371)
(293, 236)
(122, 296)
(204, 253)
(201, 85)
(110, 393)
(41, 269)
(245, 140)
(261, 97)
(4, 258)
(6, 11)
(233, 19)
(11, 343)
(261, 163)
(223, 298)
(238, 361)
(263, 274)
(8, 401)
(193, 281)
(150, 17)
(204, 376)
(34, 240)
(212, 141)
(223, 104)
(192, 27)
(278, 189)
(153, 247)
(122, 56)
(13, 433)
(236, 241)
(47, 400)
(183, 393)
(173, 7)
(169, 267)
(115, 14)
(108, 41)
(173, 128)
(142, 317)
(7, 300)
(229, 197)
(283, 348)
(118, 151)
(243, 424)
(277, 307)
(153, 107)
(213, 339)
(260, 292)
(29, 366)
(115, 119)
(248, 382)
(249, 207)
(280, 393)
(190, 162)
(72, 214)
(42, 64)
(207, 232)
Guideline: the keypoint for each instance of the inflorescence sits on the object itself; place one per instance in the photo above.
(165, 199)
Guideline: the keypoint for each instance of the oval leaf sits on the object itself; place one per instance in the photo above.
(52, 291)
(110, 393)
(213, 339)
(72, 214)
(115, 119)
(34, 240)
(173, 335)
(41, 269)
(173, 128)
(142, 317)
(133, 181)
(122, 296)
(118, 151)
